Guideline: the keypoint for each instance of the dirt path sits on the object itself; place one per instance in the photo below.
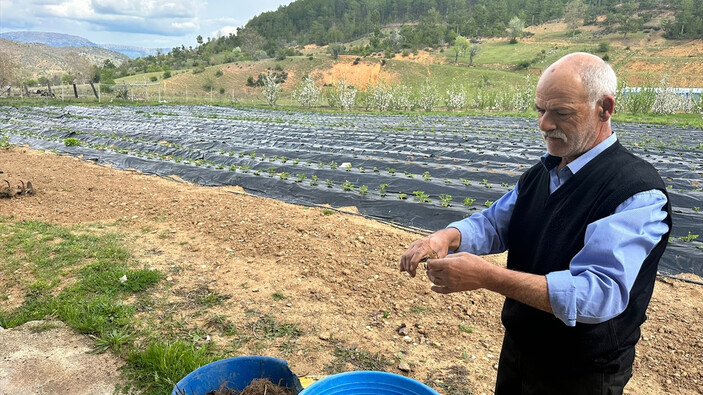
(337, 272)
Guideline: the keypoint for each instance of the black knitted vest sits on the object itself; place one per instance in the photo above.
(545, 233)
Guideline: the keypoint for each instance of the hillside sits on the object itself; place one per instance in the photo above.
(641, 59)
(37, 59)
(51, 39)
(67, 40)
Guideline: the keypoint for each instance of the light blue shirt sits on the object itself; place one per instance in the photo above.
(597, 285)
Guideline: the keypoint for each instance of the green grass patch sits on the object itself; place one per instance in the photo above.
(84, 277)
(360, 359)
(167, 362)
(268, 328)
(418, 309)
(684, 120)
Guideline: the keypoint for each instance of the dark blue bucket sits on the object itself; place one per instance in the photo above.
(237, 373)
(368, 382)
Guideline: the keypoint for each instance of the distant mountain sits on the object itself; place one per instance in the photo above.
(42, 59)
(52, 39)
(67, 40)
(133, 52)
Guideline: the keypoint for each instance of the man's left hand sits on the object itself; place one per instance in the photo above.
(458, 272)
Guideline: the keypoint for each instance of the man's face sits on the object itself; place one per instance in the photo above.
(567, 119)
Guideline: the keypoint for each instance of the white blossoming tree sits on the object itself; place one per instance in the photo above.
(307, 93)
(427, 97)
(456, 97)
(272, 89)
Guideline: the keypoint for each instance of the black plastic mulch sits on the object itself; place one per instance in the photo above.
(418, 171)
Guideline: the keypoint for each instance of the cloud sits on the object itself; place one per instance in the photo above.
(156, 17)
(78, 9)
(225, 31)
(147, 8)
(143, 26)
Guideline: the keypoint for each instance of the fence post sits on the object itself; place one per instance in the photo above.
(95, 92)
(75, 90)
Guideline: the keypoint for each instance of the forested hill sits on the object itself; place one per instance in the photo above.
(363, 27)
(327, 21)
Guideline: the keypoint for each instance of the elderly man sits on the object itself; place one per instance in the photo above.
(584, 230)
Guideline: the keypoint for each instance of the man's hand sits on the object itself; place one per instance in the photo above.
(458, 272)
(467, 272)
(436, 245)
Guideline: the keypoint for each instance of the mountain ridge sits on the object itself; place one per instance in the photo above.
(40, 59)
(67, 40)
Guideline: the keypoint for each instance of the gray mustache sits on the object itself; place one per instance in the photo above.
(555, 134)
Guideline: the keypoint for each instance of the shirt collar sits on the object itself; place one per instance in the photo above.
(550, 161)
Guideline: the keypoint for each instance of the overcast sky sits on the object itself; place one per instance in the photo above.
(141, 23)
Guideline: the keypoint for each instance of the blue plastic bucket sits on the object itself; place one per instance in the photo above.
(368, 383)
(237, 373)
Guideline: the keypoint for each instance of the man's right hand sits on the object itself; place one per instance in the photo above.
(436, 245)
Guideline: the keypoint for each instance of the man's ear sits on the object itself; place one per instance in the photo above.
(607, 108)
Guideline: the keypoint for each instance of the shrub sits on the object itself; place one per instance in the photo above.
(218, 73)
(523, 64)
(71, 142)
(259, 55)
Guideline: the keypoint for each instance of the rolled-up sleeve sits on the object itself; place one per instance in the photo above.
(597, 285)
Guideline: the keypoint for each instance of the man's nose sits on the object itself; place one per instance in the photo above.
(545, 122)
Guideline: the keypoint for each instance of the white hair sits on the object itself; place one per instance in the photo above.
(597, 76)
(599, 80)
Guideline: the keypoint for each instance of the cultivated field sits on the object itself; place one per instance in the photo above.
(418, 171)
(211, 272)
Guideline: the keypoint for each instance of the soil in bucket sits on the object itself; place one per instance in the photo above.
(256, 387)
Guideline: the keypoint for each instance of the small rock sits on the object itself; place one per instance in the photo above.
(404, 366)
(324, 336)
(408, 339)
(403, 330)
(255, 290)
